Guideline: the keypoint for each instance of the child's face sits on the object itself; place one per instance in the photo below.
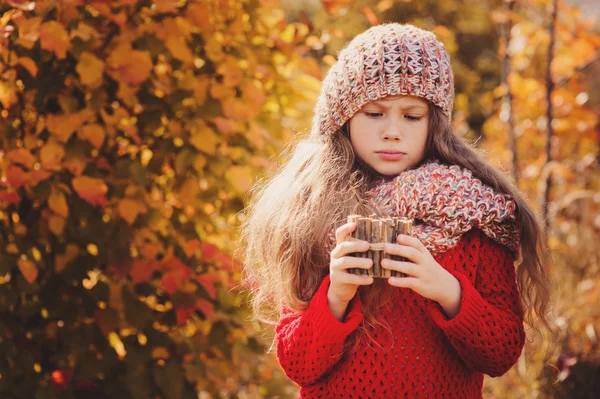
(392, 124)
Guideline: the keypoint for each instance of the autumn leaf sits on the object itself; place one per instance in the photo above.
(94, 134)
(21, 156)
(51, 154)
(58, 202)
(184, 313)
(17, 177)
(204, 139)
(10, 197)
(240, 178)
(90, 189)
(129, 209)
(54, 37)
(61, 260)
(28, 269)
(206, 308)
(142, 271)
(90, 70)
(56, 224)
(179, 49)
(8, 94)
(29, 65)
(132, 66)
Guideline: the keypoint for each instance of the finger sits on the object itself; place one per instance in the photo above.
(411, 253)
(343, 232)
(348, 247)
(403, 282)
(404, 267)
(348, 262)
(411, 241)
(354, 279)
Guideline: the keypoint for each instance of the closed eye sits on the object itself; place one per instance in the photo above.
(378, 114)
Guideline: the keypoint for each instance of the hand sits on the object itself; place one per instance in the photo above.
(425, 276)
(344, 285)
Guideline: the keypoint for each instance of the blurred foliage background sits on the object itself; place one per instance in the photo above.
(132, 130)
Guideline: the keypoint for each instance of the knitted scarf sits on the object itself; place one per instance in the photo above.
(446, 202)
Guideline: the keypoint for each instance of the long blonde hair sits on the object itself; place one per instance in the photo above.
(289, 216)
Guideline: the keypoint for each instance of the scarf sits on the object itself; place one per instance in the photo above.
(446, 202)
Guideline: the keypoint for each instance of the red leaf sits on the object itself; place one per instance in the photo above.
(209, 250)
(170, 283)
(205, 307)
(184, 313)
(208, 281)
(11, 197)
(142, 271)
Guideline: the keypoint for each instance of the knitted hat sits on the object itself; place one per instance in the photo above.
(387, 59)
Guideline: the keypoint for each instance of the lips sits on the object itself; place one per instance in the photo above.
(390, 152)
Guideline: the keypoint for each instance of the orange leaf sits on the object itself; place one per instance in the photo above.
(58, 203)
(370, 15)
(204, 139)
(21, 156)
(132, 66)
(56, 224)
(129, 209)
(63, 126)
(208, 280)
(54, 37)
(17, 177)
(28, 270)
(8, 94)
(94, 134)
(240, 178)
(190, 247)
(51, 154)
(90, 189)
(90, 70)
(29, 65)
(179, 49)
(61, 260)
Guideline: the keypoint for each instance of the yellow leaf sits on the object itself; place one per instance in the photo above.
(240, 178)
(90, 70)
(51, 154)
(90, 189)
(28, 270)
(56, 224)
(8, 94)
(179, 49)
(94, 134)
(29, 65)
(129, 209)
(204, 139)
(54, 37)
(58, 203)
(61, 260)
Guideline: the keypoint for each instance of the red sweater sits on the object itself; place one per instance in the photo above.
(432, 357)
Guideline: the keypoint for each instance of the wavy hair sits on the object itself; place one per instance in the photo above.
(284, 237)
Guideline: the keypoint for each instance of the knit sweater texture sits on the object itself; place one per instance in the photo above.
(431, 356)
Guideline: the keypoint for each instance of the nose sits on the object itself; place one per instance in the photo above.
(393, 129)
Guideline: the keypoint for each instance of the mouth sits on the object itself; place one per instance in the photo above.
(391, 155)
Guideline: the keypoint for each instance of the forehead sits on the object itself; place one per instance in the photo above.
(403, 100)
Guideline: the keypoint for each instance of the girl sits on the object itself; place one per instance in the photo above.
(381, 142)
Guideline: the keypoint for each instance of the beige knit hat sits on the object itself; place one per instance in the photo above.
(387, 59)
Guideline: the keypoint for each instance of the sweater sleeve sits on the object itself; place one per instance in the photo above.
(487, 332)
(309, 344)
